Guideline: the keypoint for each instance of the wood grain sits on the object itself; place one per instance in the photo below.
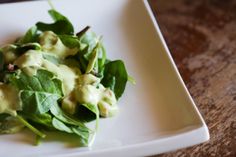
(201, 36)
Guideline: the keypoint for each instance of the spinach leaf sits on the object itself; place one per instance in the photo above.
(84, 135)
(61, 115)
(92, 109)
(44, 119)
(70, 41)
(19, 49)
(59, 125)
(73, 41)
(56, 16)
(90, 61)
(83, 62)
(29, 37)
(22, 48)
(101, 61)
(39, 92)
(93, 60)
(87, 112)
(61, 25)
(90, 40)
(104, 57)
(79, 131)
(66, 123)
(115, 77)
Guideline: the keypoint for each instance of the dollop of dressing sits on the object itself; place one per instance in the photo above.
(8, 53)
(33, 60)
(9, 99)
(51, 43)
(90, 91)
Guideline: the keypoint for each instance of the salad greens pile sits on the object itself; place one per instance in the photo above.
(53, 79)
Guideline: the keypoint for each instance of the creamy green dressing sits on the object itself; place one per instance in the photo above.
(66, 74)
(8, 53)
(77, 88)
(85, 89)
(90, 92)
(9, 99)
(51, 43)
(33, 60)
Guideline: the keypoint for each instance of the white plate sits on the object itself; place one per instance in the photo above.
(156, 115)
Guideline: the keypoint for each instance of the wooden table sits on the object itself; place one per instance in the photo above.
(201, 36)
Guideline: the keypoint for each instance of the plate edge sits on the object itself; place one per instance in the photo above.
(157, 28)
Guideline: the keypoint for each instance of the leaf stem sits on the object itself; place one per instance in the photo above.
(91, 141)
(28, 125)
(37, 140)
(131, 79)
(51, 5)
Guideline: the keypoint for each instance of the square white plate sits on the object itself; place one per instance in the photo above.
(156, 115)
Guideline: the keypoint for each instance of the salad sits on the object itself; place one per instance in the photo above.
(53, 79)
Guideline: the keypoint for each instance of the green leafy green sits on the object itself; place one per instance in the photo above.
(59, 125)
(115, 77)
(56, 16)
(83, 62)
(70, 41)
(42, 119)
(90, 40)
(77, 130)
(22, 48)
(69, 124)
(29, 37)
(38, 93)
(73, 41)
(61, 115)
(104, 57)
(93, 60)
(101, 61)
(83, 133)
(61, 25)
(88, 44)
(87, 112)
(94, 110)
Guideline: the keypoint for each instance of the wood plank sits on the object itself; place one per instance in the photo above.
(201, 36)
